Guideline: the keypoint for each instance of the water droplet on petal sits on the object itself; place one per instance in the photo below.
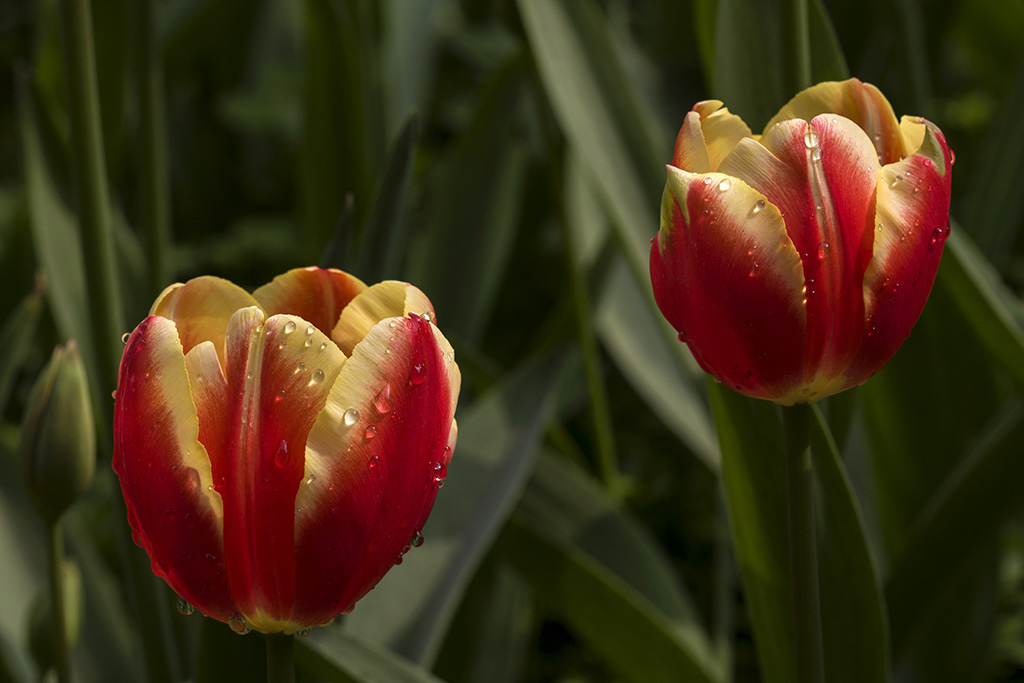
(810, 137)
(310, 329)
(373, 462)
(124, 337)
(708, 180)
(370, 433)
(419, 374)
(724, 184)
(350, 417)
(280, 395)
(289, 327)
(382, 401)
(759, 205)
(311, 478)
(939, 235)
(300, 367)
(823, 250)
(426, 316)
(753, 269)
(952, 157)
(308, 342)
(417, 540)
(304, 633)
(239, 625)
(896, 181)
(184, 607)
(816, 154)
(318, 376)
(281, 456)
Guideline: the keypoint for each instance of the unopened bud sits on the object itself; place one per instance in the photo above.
(58, 436)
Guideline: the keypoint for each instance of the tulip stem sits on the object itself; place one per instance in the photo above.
(796, 45)
(61, 651)
(280, 658)
(803, 553)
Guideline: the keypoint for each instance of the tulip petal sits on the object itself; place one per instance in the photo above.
(201, 308)
(374, 461)
(912, 224)
(722, 130)
(314, 294)
(164, 470)
(860, 102)
(386, 299)
(691, 153)
(727, 276)
(821, 175)
(278, 374)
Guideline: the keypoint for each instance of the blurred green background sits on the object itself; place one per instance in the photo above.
(608, 515)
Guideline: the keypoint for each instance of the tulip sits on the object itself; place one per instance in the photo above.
(795, 263)
(278, 452)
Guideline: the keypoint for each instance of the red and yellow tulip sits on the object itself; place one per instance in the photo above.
(278, 452)
(795, 263)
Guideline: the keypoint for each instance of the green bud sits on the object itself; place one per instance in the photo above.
(58, 436)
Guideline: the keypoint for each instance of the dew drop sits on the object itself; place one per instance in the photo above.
(810, 137)
(758, 205)
(308, 342)
(426, 316)
(724, 184)
(683, 337)
(373, 462)
(318, 376)
(896, 181)
(239, 625)
(417, 540)
(419, 374)
(370, 433)
(304, 633)
(113, 394)
(311, 478)
(382, 401)
(708, 180)
(184, 607)
(323, 346)
(281, 456)
(393, 324)
(191, 478)
(350, 417)
(816, 154)
(124, 337)
(753, 270)
(289, 327)
(823, 250)
(280, 395)
(310, 329)
(939, 235)
(952, 157)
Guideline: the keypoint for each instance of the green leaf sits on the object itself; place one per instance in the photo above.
(16, 337)
(753, 474)
(579, 97)
(638, 343)
(567, 506)
(828, 63)
(747, 69)
(411, 608)
(854, 631)
(985, 302)
(341, 132)
(344, 657)
(57, 243)
(854, 623)
(982, 493)
(993, 198)
(620, 625)
(476, 205)
(383, 239)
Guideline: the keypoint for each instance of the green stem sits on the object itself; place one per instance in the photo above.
(61, 651)
(152, 149)
(90, 177)
(796, 45)
(280, 658)
(803, 552)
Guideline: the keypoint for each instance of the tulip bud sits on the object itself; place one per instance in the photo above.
(58, 438)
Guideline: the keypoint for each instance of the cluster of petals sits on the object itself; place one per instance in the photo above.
(279, 451)
(795, 263)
